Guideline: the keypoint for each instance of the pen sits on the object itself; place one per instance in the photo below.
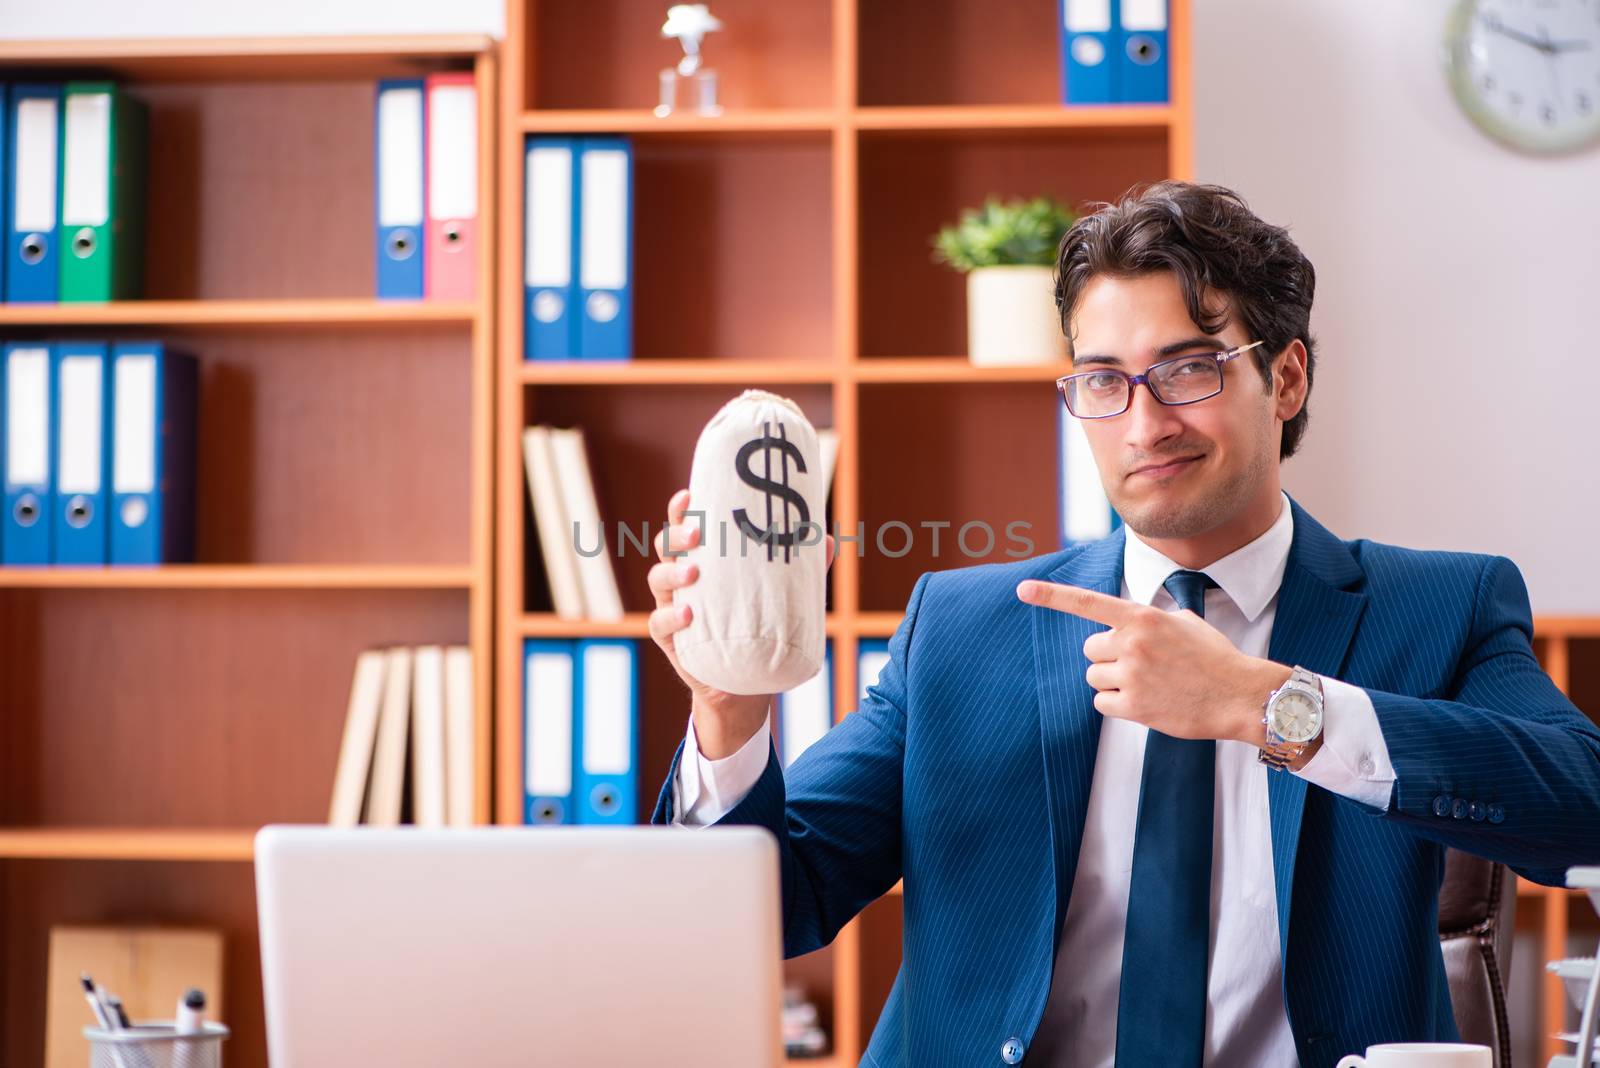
(102, 1014)
(113, 1021)
(93, 998)
(120, 1013)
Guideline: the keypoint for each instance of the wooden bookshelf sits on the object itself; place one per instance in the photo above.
(1569, 650)
(785, 245)
(155, 718)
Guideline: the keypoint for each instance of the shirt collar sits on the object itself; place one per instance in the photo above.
(1250, 575)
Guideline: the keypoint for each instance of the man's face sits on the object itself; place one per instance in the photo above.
(1174, 471)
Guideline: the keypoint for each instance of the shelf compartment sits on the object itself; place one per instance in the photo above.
(321, 447)
(913, 306)
(1583, 675)
(320, 453)
(607, 53)
(962, 470)
(42, 895)
(732, 249)
(202, 709)
(959, 52)
(882, 927)
(640, 445)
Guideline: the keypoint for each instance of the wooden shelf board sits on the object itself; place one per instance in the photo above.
(983, 119)
(640, 121)
(916, 369)
(247, 58)
(673, 372)
(240, 576)
(877, 624)
(1566, 626)
(631, 625)
(112, 843)
(1530, 889)
(320, 312)
(988, 119)
(952, 369)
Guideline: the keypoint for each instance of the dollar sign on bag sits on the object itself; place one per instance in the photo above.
(787, 450)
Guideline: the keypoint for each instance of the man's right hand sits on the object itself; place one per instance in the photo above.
(723, 722)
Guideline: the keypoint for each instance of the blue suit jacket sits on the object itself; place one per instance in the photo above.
(966, 770)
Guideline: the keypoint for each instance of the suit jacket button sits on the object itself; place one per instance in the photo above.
(1441, 805)
(1459, 808)
(1478, 810)
(1497, 813)
(1011, 1052)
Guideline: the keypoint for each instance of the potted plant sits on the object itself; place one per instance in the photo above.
(1008, 253)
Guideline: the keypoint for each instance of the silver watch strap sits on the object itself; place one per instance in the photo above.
(1281, 755)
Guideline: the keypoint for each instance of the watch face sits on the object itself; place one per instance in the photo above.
(1527, 72)
(1296, 717)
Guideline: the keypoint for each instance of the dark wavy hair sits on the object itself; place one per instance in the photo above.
(1211, 241)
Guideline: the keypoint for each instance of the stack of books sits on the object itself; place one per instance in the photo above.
(408, 700)
(583, 583)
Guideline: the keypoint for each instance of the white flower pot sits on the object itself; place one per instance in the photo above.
(1011, 316)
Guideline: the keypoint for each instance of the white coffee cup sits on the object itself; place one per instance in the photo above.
(1421, 1055)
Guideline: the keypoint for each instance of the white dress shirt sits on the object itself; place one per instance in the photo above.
(1246, 1022)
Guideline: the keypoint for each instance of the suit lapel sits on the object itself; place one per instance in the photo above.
(1069, 725)
(1315, 621)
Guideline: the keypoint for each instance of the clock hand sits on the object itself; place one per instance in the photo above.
(1555, 76)
(1550, 47)
(1496, 26)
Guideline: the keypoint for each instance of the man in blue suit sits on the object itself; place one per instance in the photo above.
(1180, 796)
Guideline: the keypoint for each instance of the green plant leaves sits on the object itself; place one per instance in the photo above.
(1017, 232)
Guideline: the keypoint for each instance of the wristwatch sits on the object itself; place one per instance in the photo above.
(1293, 717)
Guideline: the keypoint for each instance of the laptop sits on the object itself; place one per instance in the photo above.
(508, 946)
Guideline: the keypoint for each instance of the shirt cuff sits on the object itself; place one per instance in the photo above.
(1354, 759)
(707, 790)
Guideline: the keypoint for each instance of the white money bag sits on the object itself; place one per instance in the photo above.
(756, 493)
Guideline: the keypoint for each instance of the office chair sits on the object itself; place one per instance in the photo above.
(1477, 914)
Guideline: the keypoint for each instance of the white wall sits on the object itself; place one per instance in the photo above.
(1442, 259)
(23, 19)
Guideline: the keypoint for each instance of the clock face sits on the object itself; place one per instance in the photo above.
(1528, 71)
(1295, 717)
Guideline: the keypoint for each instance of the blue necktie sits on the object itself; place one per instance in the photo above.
(1161, 1007)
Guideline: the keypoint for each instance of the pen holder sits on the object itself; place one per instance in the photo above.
(155, 1045)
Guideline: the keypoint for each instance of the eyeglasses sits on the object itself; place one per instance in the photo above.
(1180, 380)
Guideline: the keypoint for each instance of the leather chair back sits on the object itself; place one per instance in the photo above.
(1477, 914)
